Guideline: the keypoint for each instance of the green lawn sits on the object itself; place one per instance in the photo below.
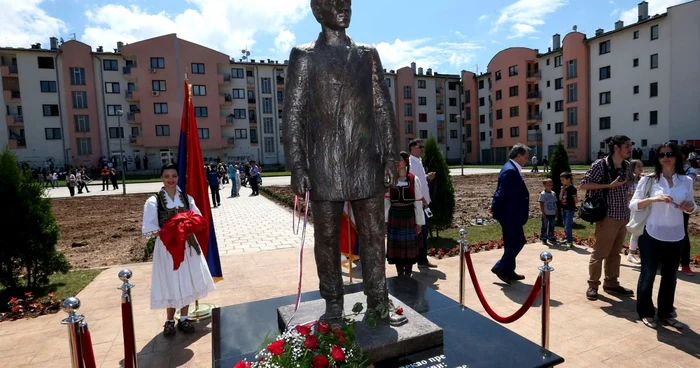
(63, 285)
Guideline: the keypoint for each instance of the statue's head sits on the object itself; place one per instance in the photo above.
(333, 14)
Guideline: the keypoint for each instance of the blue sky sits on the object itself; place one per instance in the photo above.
(446, 35)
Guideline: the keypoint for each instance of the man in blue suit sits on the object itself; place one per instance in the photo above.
(510, 206)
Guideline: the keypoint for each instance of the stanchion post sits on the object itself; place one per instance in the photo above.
(545, 271)
(125, 276)
(71, 306)
(463, 247)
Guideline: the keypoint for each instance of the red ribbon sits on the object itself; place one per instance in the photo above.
(175, 231)
(301, 248)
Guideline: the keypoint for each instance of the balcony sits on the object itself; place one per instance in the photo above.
(15, 120)
(280, 81)
(134, 117)
(227, 142)
(227, 120)
(130, 72)
(251, 82)
(12, 96)
(224, 78)
(534, 75)
(251, 101)
(441, 124)
(534, 118)
(441, 140)
(9, 71)
(533, 96)
(131, 96)
(136, 140)
(534, 136)
(225, 99)
(17, 143)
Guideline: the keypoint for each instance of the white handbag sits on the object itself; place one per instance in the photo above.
(638, 219)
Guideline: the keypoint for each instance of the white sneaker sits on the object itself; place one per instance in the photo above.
(632, 259)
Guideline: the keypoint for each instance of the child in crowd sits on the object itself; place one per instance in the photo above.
(548, 206)
(568, 199)
(637, 168)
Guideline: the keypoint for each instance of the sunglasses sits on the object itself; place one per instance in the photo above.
(667, 154)
(421, 147)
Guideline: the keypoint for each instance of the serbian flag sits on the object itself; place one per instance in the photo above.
(349, 244)
(193, 181)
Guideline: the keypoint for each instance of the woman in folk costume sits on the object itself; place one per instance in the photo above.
(404, 217)
(180, 272)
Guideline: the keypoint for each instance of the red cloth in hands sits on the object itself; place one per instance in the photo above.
(175, 231)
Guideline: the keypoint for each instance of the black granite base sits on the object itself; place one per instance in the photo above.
(470, 339)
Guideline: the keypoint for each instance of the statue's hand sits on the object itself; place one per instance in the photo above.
(390, 174)
(300, 182)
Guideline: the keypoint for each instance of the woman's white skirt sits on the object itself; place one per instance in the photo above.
(178, 288)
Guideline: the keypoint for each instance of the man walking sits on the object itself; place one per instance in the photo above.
(510, 206)
(611, 177)
(213, 180)
(415, 147)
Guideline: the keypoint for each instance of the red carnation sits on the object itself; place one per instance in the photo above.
(338, 354)
(242, 364)
(323, 328)
(303, 330)
(276, 348)
(320, 361)
(311, 342)
(399, 311)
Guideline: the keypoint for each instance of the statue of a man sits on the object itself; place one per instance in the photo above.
(340, 142)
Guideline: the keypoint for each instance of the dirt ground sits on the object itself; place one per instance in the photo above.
(101, 231)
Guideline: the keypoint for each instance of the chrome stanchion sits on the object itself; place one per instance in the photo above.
(124, 275)
(545, 271)
(71, 306)
(463, 247)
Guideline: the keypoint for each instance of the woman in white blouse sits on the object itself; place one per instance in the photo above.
(670, 196)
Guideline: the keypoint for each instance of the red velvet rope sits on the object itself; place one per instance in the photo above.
(128, 330)
(88, 353)
(519, 313)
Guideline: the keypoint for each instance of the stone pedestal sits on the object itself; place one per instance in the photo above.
(382, 342)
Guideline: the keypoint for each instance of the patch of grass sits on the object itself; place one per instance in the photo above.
(275, 173)
(63, 285)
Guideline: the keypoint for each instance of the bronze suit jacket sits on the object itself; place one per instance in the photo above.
(339, 124)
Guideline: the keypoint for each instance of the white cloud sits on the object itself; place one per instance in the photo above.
(427, 54)
(524, 15)
(614, 12)
(655, 7)
(483, 17)
(25, 23)
(224, 25)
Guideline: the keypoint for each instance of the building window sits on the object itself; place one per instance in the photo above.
(498, 75)
(52, 133)
(198, 68)
(644, 142)
(515, 131)
(82, 123)
(514, 111)
(513, 71)
(422, 101)
(408, 109)
(237, 73)
(654, 61)
(199, 90)
(423, 134)
(162, 130)
(268, 126)
(160, 108)
(604, 123)
(635, 90)
(116, 132)
(422, 118)
(45, 62)
(604, 47)
(482, 119)
(635, 62)
(572, 114)
(604, 72)
(111, 87)
(388, 82)
(654, 89)
(469, 146)
(253, 136)
(482, 136)
(604, 98)
(469, 130)
(635, 35)
(635, 116)
(159, 86)
(653, 117)
(559, 83)
(408, 127)
(407, 92)
(48, 86)
(481, 84)
(110, 65)
(201, 111)
(280, 97)
(238, 93)
(112, 109)
(203, 133)
(452, 101)
(558, 105)
(239, 114)
(654, 32)
(241, 134)
(421, 83)
(548, 81)
(572, 93)
(499, 95)
(84, 146)
(482, 102)
(571, 69)
(557, 61)
(499, 133)
(269, 143)
(157, 63)
(77, 76)
(572, 140)
(267, 105)
(499, 114)
(452, 86)
(266, 85)
(513, 91)
(558, 128)
(79, 99)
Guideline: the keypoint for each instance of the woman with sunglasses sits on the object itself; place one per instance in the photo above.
(670, 196)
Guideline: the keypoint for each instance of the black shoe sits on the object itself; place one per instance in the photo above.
(618, 290)
(427, 264)
(185, 326)
(517, 277)
(501, 276)
(169, 328)
(592, 294)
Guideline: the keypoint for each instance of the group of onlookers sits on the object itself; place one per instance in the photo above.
(237, 174)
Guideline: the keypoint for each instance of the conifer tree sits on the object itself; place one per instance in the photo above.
(559, 163)
(442, 193)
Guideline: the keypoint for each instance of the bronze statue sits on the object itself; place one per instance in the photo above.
(340, 142)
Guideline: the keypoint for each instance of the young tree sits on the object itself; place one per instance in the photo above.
(443, 193)
(559, 163)
(28, 247)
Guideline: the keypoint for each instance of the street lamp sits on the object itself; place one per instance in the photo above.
(460, 91)
(120, 134)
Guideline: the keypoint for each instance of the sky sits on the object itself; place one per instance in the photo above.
(445, 35)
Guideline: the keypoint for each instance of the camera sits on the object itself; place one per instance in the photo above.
(428, 212)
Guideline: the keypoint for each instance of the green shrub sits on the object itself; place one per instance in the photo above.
(443, 197)
(559, 163)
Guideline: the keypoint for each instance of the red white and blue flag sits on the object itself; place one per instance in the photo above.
(193, 181)
(349, 243)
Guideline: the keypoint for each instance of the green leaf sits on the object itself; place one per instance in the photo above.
(357, 308)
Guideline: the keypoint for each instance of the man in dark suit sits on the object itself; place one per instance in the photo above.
(340, 141)
(510, 206)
